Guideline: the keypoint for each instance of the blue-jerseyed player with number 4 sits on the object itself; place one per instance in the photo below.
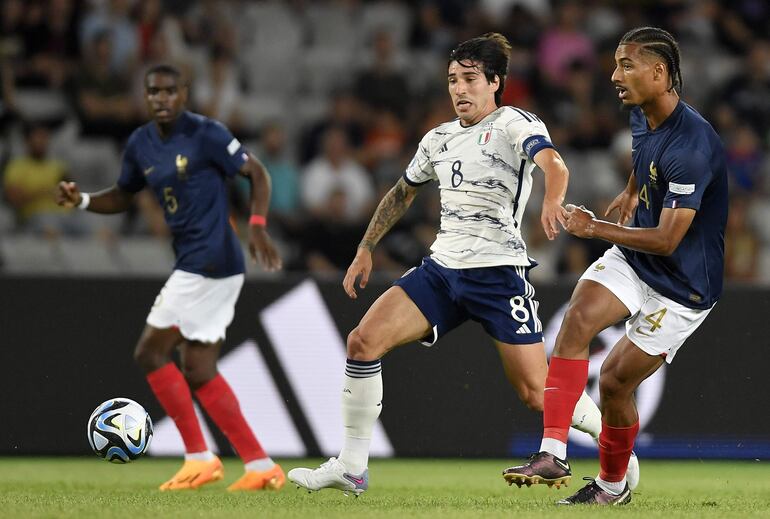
(185, 158)
(664, 273)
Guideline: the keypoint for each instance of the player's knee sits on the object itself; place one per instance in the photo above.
(361, 346)
(611, 387)
(533, 400)
(149, 358)
(198, 375)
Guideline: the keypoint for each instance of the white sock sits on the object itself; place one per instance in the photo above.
(555, 447)
(199, 456)
(361, 406)
(259, 465)
(613, 487)
(587, 417)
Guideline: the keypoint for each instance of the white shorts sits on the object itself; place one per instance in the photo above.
(202, 308)
(658, 325)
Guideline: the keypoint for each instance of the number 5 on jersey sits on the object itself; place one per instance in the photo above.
(168, 197)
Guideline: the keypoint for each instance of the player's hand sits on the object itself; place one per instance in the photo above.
(551, 216)
(262, 249)
(580, 221)
(625, 203)
(68, 194)
(361, 265)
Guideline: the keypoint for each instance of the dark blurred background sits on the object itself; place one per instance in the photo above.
(333, 97)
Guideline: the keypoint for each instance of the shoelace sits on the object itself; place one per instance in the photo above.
(327, 464)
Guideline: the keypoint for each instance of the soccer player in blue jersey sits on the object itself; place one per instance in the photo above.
(185, 159)
(663, 274)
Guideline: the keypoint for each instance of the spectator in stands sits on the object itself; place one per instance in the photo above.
(333, 173)
(101, 96)
(564, 44)
(217, 93)
(383, 86)
(30, 183)
(345, 112)
(51, 47)
(741, 243)
(744, 160)
(112, 18)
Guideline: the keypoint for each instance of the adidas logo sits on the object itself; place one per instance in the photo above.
(523, 329)
(443, 148)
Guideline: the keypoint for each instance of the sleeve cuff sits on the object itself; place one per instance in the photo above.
(413, 183)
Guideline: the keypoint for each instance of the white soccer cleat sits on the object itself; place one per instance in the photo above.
(632, 472)
(331, 474)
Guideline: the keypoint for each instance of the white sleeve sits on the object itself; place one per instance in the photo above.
(528, 135)
(420, 170)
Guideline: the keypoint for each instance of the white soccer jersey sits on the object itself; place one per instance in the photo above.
(485, 178)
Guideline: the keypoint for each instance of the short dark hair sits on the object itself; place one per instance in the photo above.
(661, 43)
(492, 51)
(165, 69)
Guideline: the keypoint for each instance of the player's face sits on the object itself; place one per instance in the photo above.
(638, 77)
(473, 97)
(165, 97)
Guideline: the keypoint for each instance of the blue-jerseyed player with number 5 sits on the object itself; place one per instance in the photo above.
(664, 273)
(479, 268)
(185, 158)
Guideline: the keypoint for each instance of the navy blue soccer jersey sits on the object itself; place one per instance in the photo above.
(681, 164)
(187, 173)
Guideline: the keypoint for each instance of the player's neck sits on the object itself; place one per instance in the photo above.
(165, 129)
(480, 117)
(658, 110)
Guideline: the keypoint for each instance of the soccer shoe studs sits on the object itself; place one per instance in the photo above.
(542, 468)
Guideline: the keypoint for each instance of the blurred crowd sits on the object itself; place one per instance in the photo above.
(334, 95)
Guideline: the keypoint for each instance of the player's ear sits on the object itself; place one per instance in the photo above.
(495, 83)
(183, 92)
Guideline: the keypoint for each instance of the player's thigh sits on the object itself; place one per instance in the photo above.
(155, 345)
(394, 319)
(592, 308)
(525, 368)
(625, 368)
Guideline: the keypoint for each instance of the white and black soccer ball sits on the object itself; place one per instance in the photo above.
(119, 430)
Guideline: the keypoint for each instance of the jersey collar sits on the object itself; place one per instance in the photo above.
(179, 126)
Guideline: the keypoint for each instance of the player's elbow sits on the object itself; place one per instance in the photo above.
(665, 246)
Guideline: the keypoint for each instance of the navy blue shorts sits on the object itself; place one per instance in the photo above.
(500, 298)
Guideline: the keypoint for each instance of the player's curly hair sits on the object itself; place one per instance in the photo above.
(660, 42)
(491, 51)
(164, 69)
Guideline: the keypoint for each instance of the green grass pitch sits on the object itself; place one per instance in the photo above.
(445, 488)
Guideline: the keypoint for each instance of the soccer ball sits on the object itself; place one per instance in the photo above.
(119, 430)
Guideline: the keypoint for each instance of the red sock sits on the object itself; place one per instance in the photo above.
(565, 383)
(174, 395)
(222, 406)
(615, 446)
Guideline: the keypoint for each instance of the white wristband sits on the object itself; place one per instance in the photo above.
(85, 199)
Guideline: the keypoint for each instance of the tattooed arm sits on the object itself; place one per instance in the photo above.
(391, 208)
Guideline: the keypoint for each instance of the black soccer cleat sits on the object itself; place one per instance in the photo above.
(542, 468)
(593, 494)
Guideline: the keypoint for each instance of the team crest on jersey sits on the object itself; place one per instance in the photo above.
(653, 175)
(181, 167)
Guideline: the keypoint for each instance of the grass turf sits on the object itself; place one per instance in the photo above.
(446, 488)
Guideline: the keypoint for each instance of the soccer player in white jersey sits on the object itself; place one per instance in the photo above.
(478, 269)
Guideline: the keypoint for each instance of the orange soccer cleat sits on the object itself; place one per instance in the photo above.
(194, 474)
(272, 479)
